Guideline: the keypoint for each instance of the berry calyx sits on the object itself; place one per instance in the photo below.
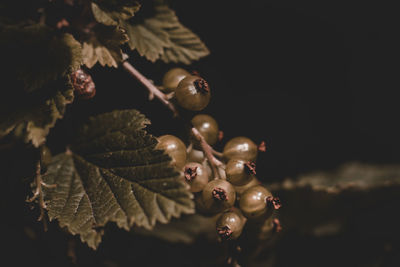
(83, 84)
(175, 148)
(201, 85)
(274, 202)
(219, 194)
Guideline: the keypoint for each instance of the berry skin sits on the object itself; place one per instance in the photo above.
(175, 148)
(253, 203)
(83, 84)
(196, 176)
(239, 172)
(195, 155)
(241, 189)
(240, 148)
(218, 195)
(207, 126)
(229, 225)
(172, 78)
(193, 93)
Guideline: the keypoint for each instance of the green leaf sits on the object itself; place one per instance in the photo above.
(32, 115)
(112, 14)
(36, 54)
(162, 36)
(114, 173)
(104, 46)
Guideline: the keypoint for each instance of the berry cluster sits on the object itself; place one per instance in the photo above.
(224, 184)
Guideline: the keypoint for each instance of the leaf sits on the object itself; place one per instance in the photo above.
(32, 116)
(162, 36)
(112, 14)
(330, 199)
(36, 54)
(114, 174)
(104, 46)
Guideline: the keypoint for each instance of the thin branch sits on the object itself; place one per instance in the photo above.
(207, 149)
(39, 194)
(217, 153)
(153, 90)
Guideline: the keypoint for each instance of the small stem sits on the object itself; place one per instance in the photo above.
(39, 194)
(217, 153)
(153, 90)
(207, 149)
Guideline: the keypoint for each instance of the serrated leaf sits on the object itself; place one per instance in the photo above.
(162, 36)
(104, 46)
(37, 55)
(32, 117)
(114, 174)
(112, 13)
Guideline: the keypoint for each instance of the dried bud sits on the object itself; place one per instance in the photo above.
(83, 84)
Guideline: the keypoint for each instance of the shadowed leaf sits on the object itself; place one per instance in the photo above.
(114, 174)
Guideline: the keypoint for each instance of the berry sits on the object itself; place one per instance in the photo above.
(175, 148)
(196, 176)
(253, 202)
(229, 225)
(207, 126)
(218, 195)
(83, 84)
(239, 172)
(240, 148)
(195, 155)
(240, 189)
(193, 93)
(172, 78)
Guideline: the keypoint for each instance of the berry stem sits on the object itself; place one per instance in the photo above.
(153, 90)
(207, 149)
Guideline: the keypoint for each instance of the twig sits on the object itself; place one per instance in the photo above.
(153, 90)
(207, 149)
(217, 153)
(38, 194)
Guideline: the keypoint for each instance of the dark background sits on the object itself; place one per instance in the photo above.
(317, 80)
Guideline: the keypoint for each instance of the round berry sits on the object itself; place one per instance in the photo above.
(218, 195)
(241, 189)
(195, 155)
(239, 172)
(196, 176)
(207, 126)
(240, 148)
(175, 148)
(172, 78)
(253, 202)
(193, 93)
(229, 225)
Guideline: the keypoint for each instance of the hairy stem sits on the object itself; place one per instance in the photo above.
(38, 194)
(153, 90)
(207, 149)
